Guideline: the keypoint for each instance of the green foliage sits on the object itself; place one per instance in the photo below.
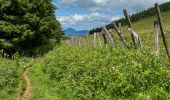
(26, 24)
(101, 74)
(11, 80)
(137, 16)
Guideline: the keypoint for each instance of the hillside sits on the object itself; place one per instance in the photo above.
(80, 71)
(136, 16)
(102, 73)
(70, 32)
(84, 72)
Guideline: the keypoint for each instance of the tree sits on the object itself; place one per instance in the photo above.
(25, 24)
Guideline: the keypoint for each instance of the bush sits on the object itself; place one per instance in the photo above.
(9, 79)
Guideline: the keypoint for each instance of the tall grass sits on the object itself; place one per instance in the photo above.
(69, 73)
(11, 79)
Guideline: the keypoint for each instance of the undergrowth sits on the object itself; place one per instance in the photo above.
(83, 74)
(11, 79)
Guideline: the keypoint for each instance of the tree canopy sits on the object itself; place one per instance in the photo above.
(25, 24)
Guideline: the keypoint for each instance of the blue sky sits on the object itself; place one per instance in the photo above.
(88, 14)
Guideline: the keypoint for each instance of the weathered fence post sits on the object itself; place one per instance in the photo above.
(79, 41)
(162, 29)
(156, 37)
(76, 42)
(135, 37)
(71, 41)
(113, 38)
(94, 37)
(122, 36)
(129, 25)
(88, 41)
(98, 35)
(105, 38)
(84, 43)
(109, 36)
(120, 33)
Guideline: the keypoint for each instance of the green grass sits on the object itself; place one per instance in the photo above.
(74, 74)
(11, 79)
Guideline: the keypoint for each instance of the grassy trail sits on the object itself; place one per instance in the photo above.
(27, 90)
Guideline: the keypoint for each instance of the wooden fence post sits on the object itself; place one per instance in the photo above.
(129, 25)
(94, 37)
(105, 38)
(156, 37)
(76, 42)
(84, 43)
(122, 36)
(111, 38)
(120, 33)
(88, 42)
(79, 41)
(98, 35)
(71, 41)
(162, 29)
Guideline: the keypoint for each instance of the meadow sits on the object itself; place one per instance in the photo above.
(88, 73)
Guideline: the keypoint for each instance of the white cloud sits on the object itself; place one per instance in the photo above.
(131, 4)
(95, 13)
(115, 18)
(72, 19)
(78, 17)
(94, 19)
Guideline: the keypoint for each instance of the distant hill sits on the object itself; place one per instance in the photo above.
(70, 32)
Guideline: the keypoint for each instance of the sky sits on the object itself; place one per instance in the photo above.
(89, 14)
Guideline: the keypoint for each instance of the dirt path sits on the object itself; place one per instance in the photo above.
(26, 92)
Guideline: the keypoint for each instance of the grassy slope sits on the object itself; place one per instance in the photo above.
(100, 74)
(76, 73)
(44, 88)
(145, 30)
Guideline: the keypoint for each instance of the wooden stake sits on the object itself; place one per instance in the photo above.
(94, 37)
(76, 42)
(84, 42)
(129, 25)
(111, 38)
(120, 33)
(105, 38)
(162, 29)
(87, 41)
(122, 36)
(98, 35)
(127, 17)
(156, 37)
(79, 40)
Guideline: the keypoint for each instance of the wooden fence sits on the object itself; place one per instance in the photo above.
(108, 36)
